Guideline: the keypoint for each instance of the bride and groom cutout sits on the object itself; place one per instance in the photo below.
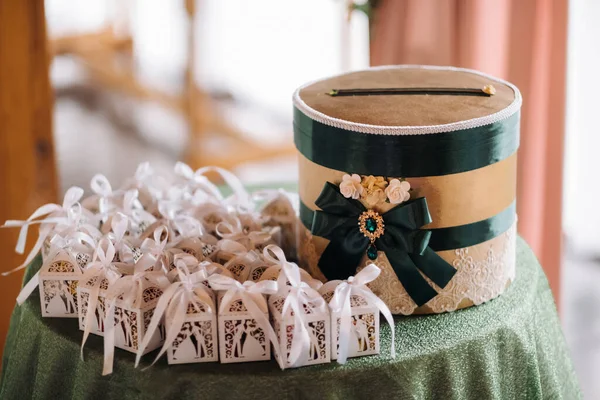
(194, 341)
(360, 330)
(60, 300)
(246, 341)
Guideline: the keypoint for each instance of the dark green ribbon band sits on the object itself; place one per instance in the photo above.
(456, 237)
(405, 155)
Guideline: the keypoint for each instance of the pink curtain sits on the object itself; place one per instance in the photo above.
(521, 41)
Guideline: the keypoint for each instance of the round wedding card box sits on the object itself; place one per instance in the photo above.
(413, 169)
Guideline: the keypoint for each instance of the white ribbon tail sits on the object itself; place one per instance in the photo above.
(240, 195)
(109, 337)
(28, 288)
(34, 252)
(345, 324)
(91, 311)
(301, 339)
(174, 326)
(263, 322)
(43, 210)
(161, 306)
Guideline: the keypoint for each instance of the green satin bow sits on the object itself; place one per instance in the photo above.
(404, 244)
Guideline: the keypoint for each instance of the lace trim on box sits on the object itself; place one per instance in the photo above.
(483, 272)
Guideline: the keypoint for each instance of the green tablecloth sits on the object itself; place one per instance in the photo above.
(508, 348)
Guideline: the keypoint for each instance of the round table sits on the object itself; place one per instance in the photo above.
(509, 348)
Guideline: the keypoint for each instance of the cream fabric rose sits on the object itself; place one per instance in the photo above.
(351, 187)
(397, 191)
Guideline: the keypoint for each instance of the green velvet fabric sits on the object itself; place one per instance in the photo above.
(508, 348)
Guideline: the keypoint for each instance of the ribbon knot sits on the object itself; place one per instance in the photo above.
(74, 240)
(143, 172)
(134, 208)
(131, 202)
(341, 307)
(197, 182)
(279, 257)
(55, 215)
(173, 303)
(397, 233)
(157, 245)
(119, 225)
(102, 267)
(235, 232)
(130, 289)
(245, 291)
(101, 186)
(298, 295)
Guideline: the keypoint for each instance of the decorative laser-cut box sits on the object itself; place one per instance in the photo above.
(241, 339)
(317, 322)
(131, 322)
(364, 332)
(197, 340)
(58, 281)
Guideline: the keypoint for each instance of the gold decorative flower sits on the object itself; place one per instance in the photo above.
(372, 183)
(374, 189)
(374, 197)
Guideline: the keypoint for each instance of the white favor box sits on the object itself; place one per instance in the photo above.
(131, 323)
(272, 274)
(317, 322)
(83, 299)
(197, 341)
(280, 213)
(364, 335)
(257, 272)
(58, 281)
(242, 266)
(240, 337)
(192, 246)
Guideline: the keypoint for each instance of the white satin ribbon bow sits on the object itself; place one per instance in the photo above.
(131, 288)
(102, 267)
(134, 209)
(297, 294)
(341, 307)
(173, 303)
(240, 199)
(74, 241)
(55, 215)
(200, 270)
(235, 232)
(105, 195)
(245, 291)
(197, 180)
(280, 260)
(119, 224)
(156, 247)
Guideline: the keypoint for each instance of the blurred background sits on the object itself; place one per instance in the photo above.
(102, 85)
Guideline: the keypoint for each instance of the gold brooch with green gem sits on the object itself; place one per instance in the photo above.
(370, 224)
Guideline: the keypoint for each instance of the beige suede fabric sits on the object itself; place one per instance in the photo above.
(406, 110)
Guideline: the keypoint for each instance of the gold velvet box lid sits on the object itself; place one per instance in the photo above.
(409, 110)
